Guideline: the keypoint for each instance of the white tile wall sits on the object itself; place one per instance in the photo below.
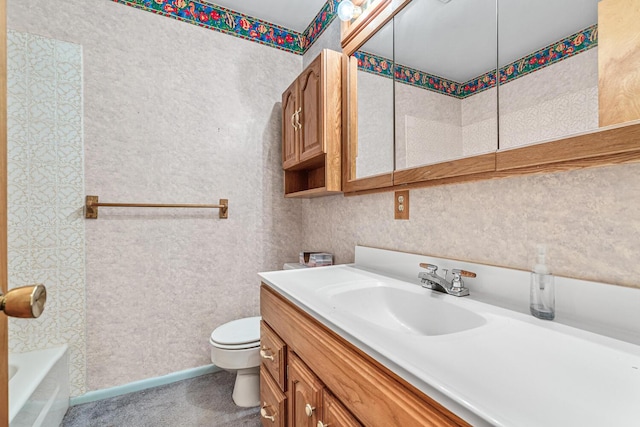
(46, 186)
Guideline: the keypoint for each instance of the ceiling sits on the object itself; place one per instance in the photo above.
(457, 40)
(291, 14)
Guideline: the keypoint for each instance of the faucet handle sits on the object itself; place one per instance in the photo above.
(457, 285)
(463, 273)
(431, 268)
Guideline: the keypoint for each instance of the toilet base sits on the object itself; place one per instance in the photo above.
(246, 391)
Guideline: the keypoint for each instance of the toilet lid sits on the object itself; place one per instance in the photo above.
(238, 332)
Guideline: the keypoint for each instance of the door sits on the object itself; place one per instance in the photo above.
(4, 340)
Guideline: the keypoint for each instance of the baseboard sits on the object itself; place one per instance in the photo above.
(106, 393)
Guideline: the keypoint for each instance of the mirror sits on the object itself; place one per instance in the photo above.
(445, 81)
(549, 78)
(475, 97)
(374, 149)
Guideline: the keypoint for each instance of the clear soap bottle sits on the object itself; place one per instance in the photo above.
(542, 295)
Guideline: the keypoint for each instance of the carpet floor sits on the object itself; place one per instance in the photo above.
(203, 401)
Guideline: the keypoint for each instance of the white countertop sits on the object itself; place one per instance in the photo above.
(512, 370)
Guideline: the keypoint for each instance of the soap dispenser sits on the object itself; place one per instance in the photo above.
(542, 297)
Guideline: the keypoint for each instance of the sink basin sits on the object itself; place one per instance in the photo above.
(410, 311)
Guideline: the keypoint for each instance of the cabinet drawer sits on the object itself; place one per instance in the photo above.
(273, 353)
(273, 402)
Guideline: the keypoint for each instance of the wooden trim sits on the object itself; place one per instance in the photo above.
(598, 144)
(331, 78)
(459, 167)
(352, 120)
(346, 155)
(362, 24)
(373, 19)
(428, 183)
(369, 183)
(313, 192)
(619, 144)
(374, 394)
(4, 338)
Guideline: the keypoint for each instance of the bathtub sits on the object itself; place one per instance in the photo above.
(38, 387)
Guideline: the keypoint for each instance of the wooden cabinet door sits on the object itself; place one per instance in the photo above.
(290, 151)
(311, 115)
(334, 414)
(304, 390)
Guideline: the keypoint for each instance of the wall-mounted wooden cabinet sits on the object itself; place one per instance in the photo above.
(312, 128)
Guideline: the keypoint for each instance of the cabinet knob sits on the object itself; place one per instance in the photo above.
(308, 409)
(264, 414)
(321, 424)
(265, 355)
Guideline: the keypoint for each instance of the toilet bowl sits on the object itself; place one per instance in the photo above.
(235, 347)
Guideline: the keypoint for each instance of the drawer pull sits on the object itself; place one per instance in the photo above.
(263, 413)
(265, 355)
(308, 409)
(321, 424)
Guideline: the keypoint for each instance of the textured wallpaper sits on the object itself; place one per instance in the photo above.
(172, 113)
(375, 125)
(45, 193)
(432, 127)
(553, 102)
(587, 218)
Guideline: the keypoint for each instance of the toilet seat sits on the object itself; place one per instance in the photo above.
(238, 334)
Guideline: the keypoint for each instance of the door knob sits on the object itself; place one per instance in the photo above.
(26, 302)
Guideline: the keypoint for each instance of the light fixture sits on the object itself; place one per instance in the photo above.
(347, 10)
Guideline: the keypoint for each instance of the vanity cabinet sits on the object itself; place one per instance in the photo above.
(312, 128)
(290, 393)
(335, 382)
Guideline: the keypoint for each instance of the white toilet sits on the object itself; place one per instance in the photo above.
(235, 347)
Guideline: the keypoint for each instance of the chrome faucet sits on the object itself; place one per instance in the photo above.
(431, 280)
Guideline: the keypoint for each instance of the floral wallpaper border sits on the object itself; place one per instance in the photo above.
(374, 64)
(576, 43)
(423, 80)
(227, 21)
(570, 46)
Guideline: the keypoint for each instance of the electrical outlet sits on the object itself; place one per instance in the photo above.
(401, 204)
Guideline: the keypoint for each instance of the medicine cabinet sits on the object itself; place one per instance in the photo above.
(485, 89)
